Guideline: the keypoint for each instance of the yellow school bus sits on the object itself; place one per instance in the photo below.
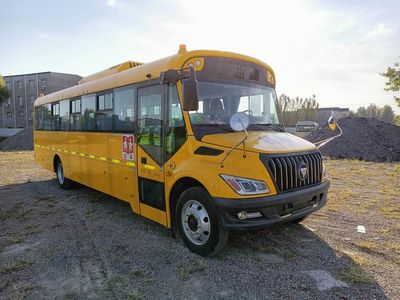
(193, 141)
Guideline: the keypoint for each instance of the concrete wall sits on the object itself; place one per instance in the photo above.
(324, 114)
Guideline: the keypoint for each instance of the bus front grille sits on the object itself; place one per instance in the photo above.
(285, 170)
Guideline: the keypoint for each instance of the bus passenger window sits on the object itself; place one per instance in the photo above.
(123, 109)
(76, 117)
(64, 115)
(104, 113)
(88, 111)
(39, 117)
(56, 117)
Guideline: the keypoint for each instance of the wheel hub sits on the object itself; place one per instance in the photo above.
(192, 222)
(195, 222)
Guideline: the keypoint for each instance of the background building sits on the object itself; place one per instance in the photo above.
(16, 112)
(325, 112)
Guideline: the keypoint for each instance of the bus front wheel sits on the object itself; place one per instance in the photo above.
(198, 223)
(63, 182)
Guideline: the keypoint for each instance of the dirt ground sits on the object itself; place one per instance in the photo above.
(81, 244)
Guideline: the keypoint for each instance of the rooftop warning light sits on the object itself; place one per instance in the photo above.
(182, 49)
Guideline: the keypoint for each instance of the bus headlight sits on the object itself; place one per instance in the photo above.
(246, 186)
(324, 173)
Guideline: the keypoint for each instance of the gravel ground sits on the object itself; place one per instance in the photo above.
(21, 141)
(363, 138)
(81, 244)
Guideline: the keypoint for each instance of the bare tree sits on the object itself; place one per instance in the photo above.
(297, 109)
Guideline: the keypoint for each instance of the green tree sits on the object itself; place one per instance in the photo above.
(361, 112)
(4, 91)
(397, 120)
(384, 113)
(392, 74)
(387, 114)
(373, 111)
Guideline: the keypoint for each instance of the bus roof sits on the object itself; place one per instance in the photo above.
(140, 73)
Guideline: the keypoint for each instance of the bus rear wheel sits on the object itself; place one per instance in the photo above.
(63, 182)
(198, 223)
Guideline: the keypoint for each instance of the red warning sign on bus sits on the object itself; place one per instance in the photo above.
(127, 147)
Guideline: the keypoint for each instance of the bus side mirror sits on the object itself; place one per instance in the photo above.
(332, 123)
(190, 92)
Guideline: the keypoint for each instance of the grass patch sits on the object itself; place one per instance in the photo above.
(4, 285)
(135, 294)
(354, 275)
(17, 239)
(71, 295)
(138, 273)
(367, 246)
(111, 283)
(118, 287)
(15, 266)
(346, 193)
(384, 231)
(32, 229)
(390, 211)
(358, 258)
(395, 247)
(185, 272)
(17, 211)
(22, 291)
(91, 213)
(287, 253)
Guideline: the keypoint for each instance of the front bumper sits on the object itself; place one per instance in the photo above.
(275, 209)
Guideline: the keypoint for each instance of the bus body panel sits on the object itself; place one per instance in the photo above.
(92, 159)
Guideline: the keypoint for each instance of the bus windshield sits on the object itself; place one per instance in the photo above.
(218, 101)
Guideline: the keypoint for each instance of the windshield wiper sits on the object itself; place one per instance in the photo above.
(220, 126)
(275, 126)
(261, 126)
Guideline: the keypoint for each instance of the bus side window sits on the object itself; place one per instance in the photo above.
(104, 112)
(88, 110)
(176, 136)
(55, 118)
(39, 117)
(47, 117)
(64, 115)
(124, 109)
(76, 117)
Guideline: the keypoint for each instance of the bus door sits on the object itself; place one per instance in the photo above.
(150, 151)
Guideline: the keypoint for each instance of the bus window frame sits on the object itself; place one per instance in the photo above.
(74, 99)
(146, 84)
(132, 86)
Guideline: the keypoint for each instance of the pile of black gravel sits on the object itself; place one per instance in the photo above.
(21, 141)
(363, 138)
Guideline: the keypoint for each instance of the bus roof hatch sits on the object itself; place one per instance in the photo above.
(110, 71)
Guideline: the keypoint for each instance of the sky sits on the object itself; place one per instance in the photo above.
(332, 49)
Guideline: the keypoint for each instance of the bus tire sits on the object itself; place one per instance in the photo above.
(63, 182)
(198, 223)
